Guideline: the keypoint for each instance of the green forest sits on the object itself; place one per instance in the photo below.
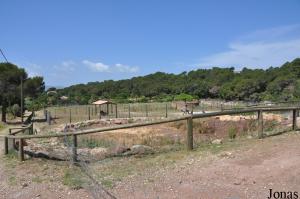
(252, 85)
(273, 84)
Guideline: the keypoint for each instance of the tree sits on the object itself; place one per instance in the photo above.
(10, 86)
(34, 86)
(10, 79)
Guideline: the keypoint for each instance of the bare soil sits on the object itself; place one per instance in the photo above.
(248, 171)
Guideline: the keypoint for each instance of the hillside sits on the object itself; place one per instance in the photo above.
(275, 83)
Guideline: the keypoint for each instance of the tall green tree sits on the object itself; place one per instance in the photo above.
(10, 80)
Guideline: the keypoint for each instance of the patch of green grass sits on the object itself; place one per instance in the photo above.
(73, 178)
(12, 181)
(37, 179)
(1, 126)
(107, 183)
(232, 132)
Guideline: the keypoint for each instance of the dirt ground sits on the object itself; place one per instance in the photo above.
(248, 171)
(243, 169)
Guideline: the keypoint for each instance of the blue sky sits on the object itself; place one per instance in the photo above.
(70, 42)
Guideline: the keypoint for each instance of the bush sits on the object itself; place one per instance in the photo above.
(15, 110)
(232, 132)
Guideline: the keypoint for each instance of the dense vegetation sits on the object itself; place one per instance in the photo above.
(274, 84)
(10, 89)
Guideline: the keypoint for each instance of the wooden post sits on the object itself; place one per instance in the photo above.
(70, 116)
(116, 110)
(5, 145)
(89, 113)
(21, 150)
(74, 149)
(100, 111)
(31, 129)
(13, 140)
(260, 124)
(294, 119)
(48, 117)
(128, 110)
(107, 109)
(166, 110)
(190, 133)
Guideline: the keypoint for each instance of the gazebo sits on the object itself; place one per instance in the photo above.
(100, 103)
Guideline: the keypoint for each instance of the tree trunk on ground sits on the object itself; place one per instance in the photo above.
(3, 113)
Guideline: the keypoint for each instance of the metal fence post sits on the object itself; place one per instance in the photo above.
(146, 110)
(70, 115)
(190, 133)
(116, 110)
(89, 113)
(74, 149)
(260, 124)
(166, 110)
(128, 110)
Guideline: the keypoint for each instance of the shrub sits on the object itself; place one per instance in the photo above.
(232, 132)
(15, 110)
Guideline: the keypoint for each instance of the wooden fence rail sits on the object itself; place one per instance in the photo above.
(189, 119)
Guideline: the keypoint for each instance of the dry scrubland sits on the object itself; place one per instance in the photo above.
(244, 168)
(236, 164)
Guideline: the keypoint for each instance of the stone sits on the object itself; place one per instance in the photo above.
(118, 122)
(217, 141)
(24, 185)
(139, 149)
(98, 152)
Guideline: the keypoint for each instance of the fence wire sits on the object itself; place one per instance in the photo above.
(93, 186)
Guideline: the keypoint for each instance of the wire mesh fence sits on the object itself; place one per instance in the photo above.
(77, 113)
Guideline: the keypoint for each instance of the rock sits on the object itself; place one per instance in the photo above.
(217, 141)
(120, 150)
(118, 122)
(24, 185)
(226, 155)
(139, 149)
(83, 153)
(98, 152)
(237, 183)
